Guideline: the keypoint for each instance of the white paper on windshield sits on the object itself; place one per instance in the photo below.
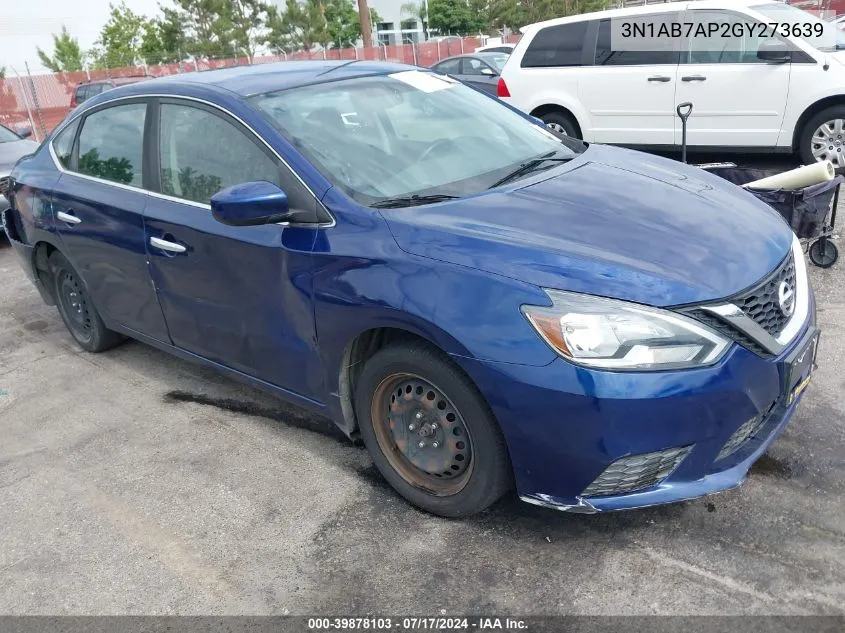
(426, 82)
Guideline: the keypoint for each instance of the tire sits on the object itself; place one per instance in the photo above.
(561, 123)
(823, 253)
(466, 462)
(806, 142)
(76, 309)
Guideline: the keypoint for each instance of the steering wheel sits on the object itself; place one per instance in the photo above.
(438, 144)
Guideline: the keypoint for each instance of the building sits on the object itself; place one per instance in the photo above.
(397, 26)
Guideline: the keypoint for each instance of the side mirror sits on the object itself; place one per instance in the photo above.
(774, 51)
(24, 131)
(250, 204)
(488, 71)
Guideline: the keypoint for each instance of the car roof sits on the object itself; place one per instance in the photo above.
(666, 7)
(118, 81)
(260, 78)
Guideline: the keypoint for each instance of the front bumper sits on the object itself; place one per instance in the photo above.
(564, 425)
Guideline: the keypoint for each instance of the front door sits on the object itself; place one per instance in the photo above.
(629, 95)
(98, 206)
(238, 296)
(738, 100)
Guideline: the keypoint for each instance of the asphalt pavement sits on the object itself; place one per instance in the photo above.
(135, 483)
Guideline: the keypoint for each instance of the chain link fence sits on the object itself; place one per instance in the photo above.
(42, 101)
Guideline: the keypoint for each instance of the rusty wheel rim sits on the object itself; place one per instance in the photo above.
(422, 434)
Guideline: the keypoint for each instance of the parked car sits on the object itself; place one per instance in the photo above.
(13, 145)
(88, 89)
(496, 48)
(775, 94)
(483, 302)
(480, 70)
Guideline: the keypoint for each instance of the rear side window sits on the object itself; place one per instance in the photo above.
(202, 153)
(111, 144)
(560, 45)
(81, 93)
(447, 67)
(607, 57)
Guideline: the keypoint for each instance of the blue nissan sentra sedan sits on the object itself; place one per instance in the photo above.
(484, 303)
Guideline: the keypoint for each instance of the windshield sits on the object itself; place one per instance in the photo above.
(6, 135)
(408, 133)
(824, 38)
(496, 60)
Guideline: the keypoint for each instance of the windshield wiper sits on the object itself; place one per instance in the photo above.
(411, 201)
(528, 167)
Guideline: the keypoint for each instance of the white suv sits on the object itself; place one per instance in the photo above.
(762, 94)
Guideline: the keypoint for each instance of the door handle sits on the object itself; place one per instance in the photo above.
(660, 78)
(694, 78)
(164, 245)
(68, 218)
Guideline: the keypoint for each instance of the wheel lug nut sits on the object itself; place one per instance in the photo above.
(421, 444)
(435, 444)
(418, 416)
(411, 427)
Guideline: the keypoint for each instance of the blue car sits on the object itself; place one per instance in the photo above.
(485, 304)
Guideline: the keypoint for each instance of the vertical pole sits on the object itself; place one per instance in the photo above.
(462, 46)
(414, 48)
(366, 23)
(26, 104)
(87, 72)
(35, 102)
(438, 50)
(384, 47)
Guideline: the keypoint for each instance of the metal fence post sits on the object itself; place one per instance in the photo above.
(462, 46)
(438, 50)
(35, 102)
(384, 46)
(414, 49)
(26, 105)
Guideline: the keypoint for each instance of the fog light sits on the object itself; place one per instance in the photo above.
(636, 472)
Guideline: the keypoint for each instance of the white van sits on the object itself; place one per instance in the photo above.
(773, 94)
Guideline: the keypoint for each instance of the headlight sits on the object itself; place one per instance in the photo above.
(610, 334)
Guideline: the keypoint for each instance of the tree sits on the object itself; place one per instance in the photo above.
(342, 22)
(517, 13)
(67, 55)
(210, 28)
(164, 39)
(247, 18)
(301, 26)
(416, 10)
(454, 16)
(121, 38)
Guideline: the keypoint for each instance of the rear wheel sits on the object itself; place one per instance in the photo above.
(78, 313)
(823, 138)
(429, 431)
(561, 123)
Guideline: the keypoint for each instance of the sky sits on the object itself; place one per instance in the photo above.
(26, 24)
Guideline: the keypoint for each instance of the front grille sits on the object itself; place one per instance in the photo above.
(636, 472)
(761, 302)
(744, 433)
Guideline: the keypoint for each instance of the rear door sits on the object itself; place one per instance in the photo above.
(738, 100)
(98, 204)
(629, 95)
(239, 296)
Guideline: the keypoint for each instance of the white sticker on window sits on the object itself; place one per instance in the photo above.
(426, 82)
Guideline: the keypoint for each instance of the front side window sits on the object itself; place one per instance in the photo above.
(560, 45)
(111, 144)
(472, 66)
(202, 153)
(741, 49)
(417, 133)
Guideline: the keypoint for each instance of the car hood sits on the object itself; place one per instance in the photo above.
(614, 222)
(11, 151)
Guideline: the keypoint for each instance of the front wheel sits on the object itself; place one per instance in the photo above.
(561, 123)
(429, 431)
